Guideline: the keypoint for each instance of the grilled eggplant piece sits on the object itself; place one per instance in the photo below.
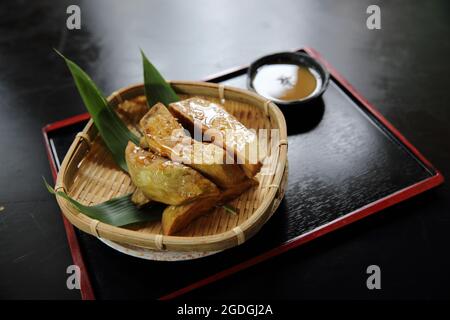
(176, 218)
(235, 191)
(162, 132)
(165, 181)
(223, 129)
(131, 111)
(139, 198)
(165, 135)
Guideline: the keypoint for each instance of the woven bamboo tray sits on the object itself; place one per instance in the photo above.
(89, 174)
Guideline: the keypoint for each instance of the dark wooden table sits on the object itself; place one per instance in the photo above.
(402, 69)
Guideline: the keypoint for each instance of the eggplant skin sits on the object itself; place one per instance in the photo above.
(165, 181)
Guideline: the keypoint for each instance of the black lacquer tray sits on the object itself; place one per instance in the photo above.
(345, 162)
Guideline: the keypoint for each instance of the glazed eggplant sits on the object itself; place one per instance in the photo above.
(139, 198)
(164, 135)
(161, 131)
(224, 130)
(176, 218)
(165, 181)
(131, 111)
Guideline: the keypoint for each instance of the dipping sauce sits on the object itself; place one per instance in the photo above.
(286, 82)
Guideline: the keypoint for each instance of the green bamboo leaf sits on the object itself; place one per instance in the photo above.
(111, 128)
(156, 88)
(229, 208)
(117, 211)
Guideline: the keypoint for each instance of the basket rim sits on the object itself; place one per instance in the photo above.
(220, 241)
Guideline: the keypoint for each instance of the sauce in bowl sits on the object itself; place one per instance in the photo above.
(288, 78)
(286, 82)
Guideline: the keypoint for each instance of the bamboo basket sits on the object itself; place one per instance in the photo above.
(89, 175)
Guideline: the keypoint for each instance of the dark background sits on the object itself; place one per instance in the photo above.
(402, 69)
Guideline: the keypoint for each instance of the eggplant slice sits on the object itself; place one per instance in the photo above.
(165, 181)
(176, 218)
(221, 128)
(131, 111)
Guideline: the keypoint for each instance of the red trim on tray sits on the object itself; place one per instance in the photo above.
(87, 293)
(66, 122)
(401, 195)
